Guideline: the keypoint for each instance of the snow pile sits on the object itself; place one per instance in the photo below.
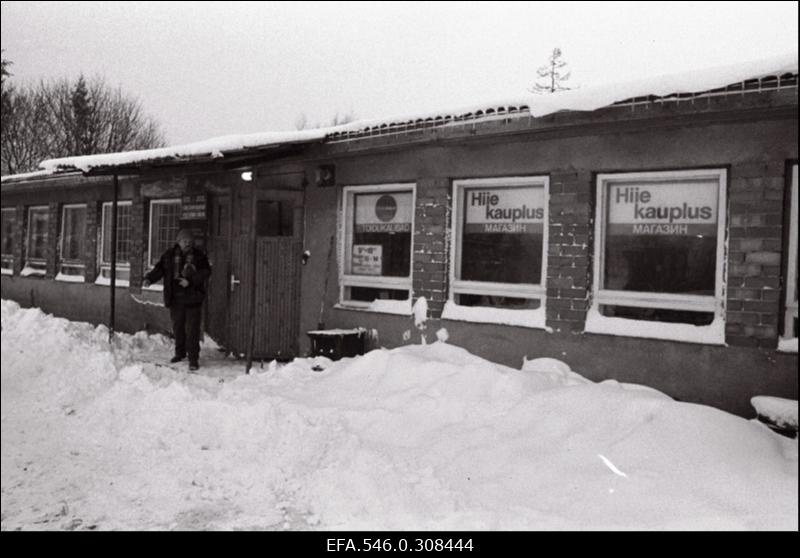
(420, 437)
(781, 412)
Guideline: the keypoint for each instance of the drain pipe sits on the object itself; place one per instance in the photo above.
(113, 259)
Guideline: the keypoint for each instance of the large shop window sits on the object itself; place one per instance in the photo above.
(378, 229)
(36, 241)
(788, 341)
(659, 256)
(8, 222)
(73, 243)
(124, 245)
(499, 259)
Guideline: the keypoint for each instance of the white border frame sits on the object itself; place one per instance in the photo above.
(61, 276)
(489, 314)
(788, 343)
(27, 268)
(3, 270)
(101, 265)
(345, 234)
(713, 333)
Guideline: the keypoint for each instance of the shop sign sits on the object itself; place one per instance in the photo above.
(381, 213)
(193, 208)
(674, 208)
(504, 210)
(367, 259)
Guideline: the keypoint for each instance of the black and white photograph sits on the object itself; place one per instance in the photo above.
(427, 270)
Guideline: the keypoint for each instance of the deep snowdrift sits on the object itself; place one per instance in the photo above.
(419, 437)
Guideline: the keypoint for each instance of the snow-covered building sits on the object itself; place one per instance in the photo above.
(645, 232)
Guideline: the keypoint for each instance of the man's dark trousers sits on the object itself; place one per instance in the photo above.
(186, 327)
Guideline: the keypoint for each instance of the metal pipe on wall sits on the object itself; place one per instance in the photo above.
(113, 259)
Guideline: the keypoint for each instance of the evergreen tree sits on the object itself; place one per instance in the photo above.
(552, 75)
(82, 133)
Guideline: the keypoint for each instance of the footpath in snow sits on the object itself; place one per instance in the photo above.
(422, 437)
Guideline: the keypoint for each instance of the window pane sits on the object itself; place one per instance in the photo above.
(662, 237)
(381, 240)
(37, 233)
(658, 315)
(512, 303)
(502, 234)
(274, 218)
(367, 294)
(123, 233)
(8, 232)
(164, 228)
(74, 234)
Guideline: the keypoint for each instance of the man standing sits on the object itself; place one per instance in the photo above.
(185, 270)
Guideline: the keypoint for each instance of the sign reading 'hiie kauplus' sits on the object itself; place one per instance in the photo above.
(517, 210)
(674, 208)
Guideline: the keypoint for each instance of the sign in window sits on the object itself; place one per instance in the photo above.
(499, 243)
(659, 249)
(378, 237)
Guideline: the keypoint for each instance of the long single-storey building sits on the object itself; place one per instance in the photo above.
(645, 232)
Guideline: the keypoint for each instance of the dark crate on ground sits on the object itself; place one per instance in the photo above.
(337, 343)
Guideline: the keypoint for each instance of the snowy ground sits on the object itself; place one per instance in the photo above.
(415, 438)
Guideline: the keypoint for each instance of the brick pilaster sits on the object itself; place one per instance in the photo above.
(568, 250)
(431, 243)
(754, 254)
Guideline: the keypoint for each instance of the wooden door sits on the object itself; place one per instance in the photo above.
(219, 239)
(266, 255)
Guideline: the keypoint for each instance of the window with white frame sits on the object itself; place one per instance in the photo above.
(8, 222)
(73, 243)
(378, 229)
(659, 255)
(124, 244)
(499, 255)
(788, 340)
(36, 241)
(164, 226)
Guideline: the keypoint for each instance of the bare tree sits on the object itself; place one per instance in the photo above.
(553, 75)
(63, 118)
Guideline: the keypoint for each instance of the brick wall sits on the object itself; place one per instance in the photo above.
(568, 250)
(138, 238)
(431, 243)
(755, 254)
(94, 216)
(19, 237)
(51, 246)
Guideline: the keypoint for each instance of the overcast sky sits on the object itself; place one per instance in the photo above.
(205, 69)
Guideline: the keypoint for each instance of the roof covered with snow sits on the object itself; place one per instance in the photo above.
(585, 99)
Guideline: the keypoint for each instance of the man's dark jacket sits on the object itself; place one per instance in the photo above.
(173, 265)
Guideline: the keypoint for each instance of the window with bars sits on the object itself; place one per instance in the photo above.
(124, 244)
(73, 243)
(36, 241)
(8, 222)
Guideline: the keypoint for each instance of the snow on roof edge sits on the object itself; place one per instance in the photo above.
(211, 147)
(588, 99)
(695, 81)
